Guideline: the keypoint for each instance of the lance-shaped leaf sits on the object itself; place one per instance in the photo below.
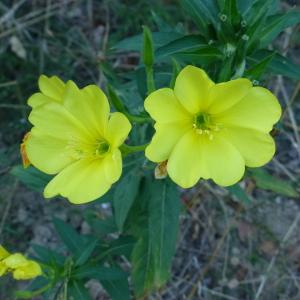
(31, 177)
(69, 236)
(278, 65)
(124, 196)
(231, 12)
(153, 253)
(187, 43)
(264, 180)
(204, 56)
(134, 43)
(256, 71)
(277, 23)
(117, 289)
(202, 12)
(78, 291)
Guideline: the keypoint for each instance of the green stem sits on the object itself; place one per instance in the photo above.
(150, 79)
(126, 149)
(31, 294)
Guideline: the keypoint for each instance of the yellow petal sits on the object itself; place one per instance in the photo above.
(3, 253)
(164, 140)
(38, 99)
(118, 129)
(3, 268)
(81, 182)
(187, 162)
(223, 161)
(88, 105)
(113, 165)
(52, 87)
(31, 270)
(15, 260)
(226, 94)
(256, 147)
(47, 153)
(192, 87)
(259, 110)
(53, 119)
(164, 107)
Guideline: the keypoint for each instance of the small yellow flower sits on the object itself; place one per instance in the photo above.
(21, 267)
(207, 130)
(28, 271)
(75, 137)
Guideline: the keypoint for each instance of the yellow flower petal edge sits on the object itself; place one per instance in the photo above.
(211, 131)
(21, 267)
(76, 138)
(51, 89)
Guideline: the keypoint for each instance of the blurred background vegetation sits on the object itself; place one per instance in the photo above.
(226, 251)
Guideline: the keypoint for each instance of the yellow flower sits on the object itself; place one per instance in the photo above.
(28, 271)
(77, 138)
(21, 267)
(207, 130)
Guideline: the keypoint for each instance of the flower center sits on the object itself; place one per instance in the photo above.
(94, 149)
(102, 148)
(201, 121)
(204, 125)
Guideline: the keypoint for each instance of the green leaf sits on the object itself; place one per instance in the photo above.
(153, 253)
(244, 5)
(69, 236)
(143, 269)
(226, 70)
(86, 251)
(231, 12)
(48, 256)
(204, 56)
(239, 193)
(278, 65)
(134, 43)
(148, 48)
(277, 23)
(259, 10)
(256, 71)
(114, 99)
(100, 227)
(176, 70)
(122, 246)
(124, 196)
(77, 290)
(204, 12)
(117, 289)
(186, 43)
(31, 177)
(256, 21)
(92, 271)
(266, 181)
(199, 19)
(164, 210)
